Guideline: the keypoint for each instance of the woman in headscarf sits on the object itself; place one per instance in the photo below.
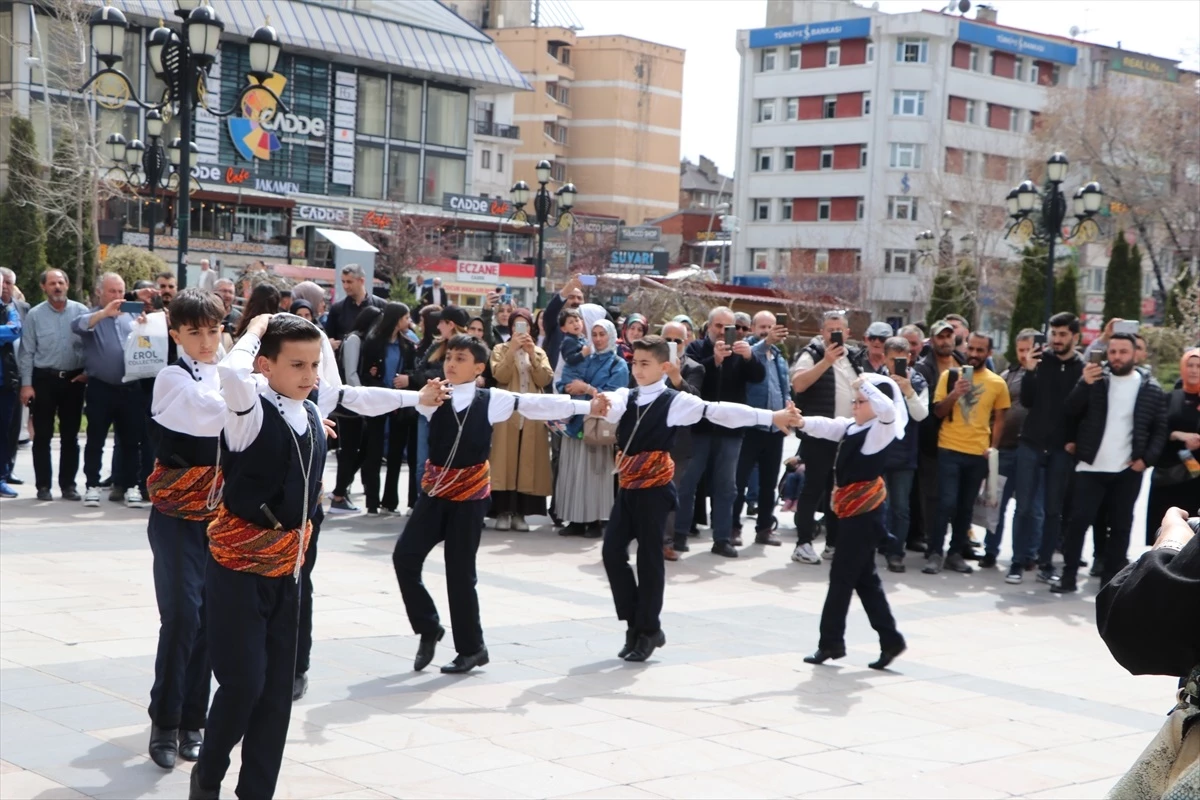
(635, 329)
(520, 460)
(302, 308)
(1171, 483)
(584, 492)
(312, 294)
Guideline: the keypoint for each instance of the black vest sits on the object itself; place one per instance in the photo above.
(818, 399)
(270, 471)
(176, 450)
(476, 443)
(653, 432)
(852, 466)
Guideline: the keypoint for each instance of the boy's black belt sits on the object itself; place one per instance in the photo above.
(61, 374)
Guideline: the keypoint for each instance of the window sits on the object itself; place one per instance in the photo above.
(991, 62)
(821, 262)
(485, 159)
(833, 55)
(760, 260)
(971, 111)
(789, 159)
(499, 162)
(903, 208)
(975, 60)
(793, 109)
(762, 210)
(6, 52)
(827, 158)
(905, 156)
(446, 120)
(900, 261)
(870, 52)
(766, 110)
(972, 163)
(372, 105)
(552, 90)
(762, 160)
(1014, 171)
(1031, 121)
(1035, 72)
(866, 106)
(829, 107)
(443, 175)
(860, 208)
(1019, 69)
(404, 174)
(862, 157)
(484, 111)
(558, 171)
(786, 214)
(368, 171)
(912, 51)
(1014, 120)
(824, 207)
(908, 103)
(766, 61)
(406, 111)
(793, 58)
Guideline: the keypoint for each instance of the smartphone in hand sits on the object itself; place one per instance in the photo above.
(521, 326)
(730, 335)
(587, 280)
(781, 320)
(132, 307)
(968, 373)
(837, 338)
(1096, 357)
(951, 380)
(900, 367)
(673, 347)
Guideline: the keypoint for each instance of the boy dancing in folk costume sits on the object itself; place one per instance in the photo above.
(880, 416)
(187, 414)
(273, 446)
(646, 418)
(455, 490)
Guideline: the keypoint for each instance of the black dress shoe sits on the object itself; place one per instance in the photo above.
(71, 494)
(821, 656)
(630, 640)
(197, 791)
(44, 494)
(299, 687)
(426, 648)
(12, 481)
(594, 530)
(735, 539)
(915, 547)
(987, 562)
(681, 545)
(646, 645)
(462, 663)
(573, 529)
(725, 549)
(164, 746)
(1062, 587)
(887, 655)
(189, 744)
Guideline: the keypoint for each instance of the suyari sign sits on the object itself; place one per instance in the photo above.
(643, 262)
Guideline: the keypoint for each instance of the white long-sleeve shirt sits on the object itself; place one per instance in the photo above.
(880, 430)
(189, 400)
(503, 403)
(918, 405)
(241, 389)
(688, 409)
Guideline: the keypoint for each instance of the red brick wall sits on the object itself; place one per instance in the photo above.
(811, 107)
(1045, 73)
(845, 156)
(995, 168)
(954, 161)
(808, 158)
(804, 209)
(842, 261)
(843, 209)
(854, 51)
(998, 116)
(961, 56)
(812, 56)
(1004, 65)
(849, 104)
(957, 110)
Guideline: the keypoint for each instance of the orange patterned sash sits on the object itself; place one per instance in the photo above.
(458, 484)
(182, 492)
(858, 498)
(245, 547)
(646, 469)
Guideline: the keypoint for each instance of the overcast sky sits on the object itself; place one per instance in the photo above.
(706, 30)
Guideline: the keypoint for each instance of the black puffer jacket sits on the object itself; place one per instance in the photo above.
(1089, 405)
(1044, 392)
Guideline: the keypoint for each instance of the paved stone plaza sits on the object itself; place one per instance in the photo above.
(1006, 691)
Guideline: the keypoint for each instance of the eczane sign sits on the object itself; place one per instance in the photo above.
(478, 271)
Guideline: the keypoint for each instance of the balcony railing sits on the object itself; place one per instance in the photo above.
(484, 128)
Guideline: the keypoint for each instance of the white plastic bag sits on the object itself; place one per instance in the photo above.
(146, 348)
(987, 510)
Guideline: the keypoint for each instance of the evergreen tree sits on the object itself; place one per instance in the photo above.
(22, 241)
(968, 291)
(70, 244)
(946, 297)
(1029, 308)
(1066, 289)
(1122, 282)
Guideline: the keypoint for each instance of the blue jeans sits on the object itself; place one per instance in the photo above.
(1008, 470)
(1043, 481)
(716, 457)
(899, 490)
(959, 477)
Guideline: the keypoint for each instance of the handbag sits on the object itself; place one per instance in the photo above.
(599, 432)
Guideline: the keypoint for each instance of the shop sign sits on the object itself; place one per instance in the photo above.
(1144, 66)
(338, 216)
(275, 186)
(208, 245)
(471, 204)
(714, 236)
(645, 262)
(1013, 42)
(376, 219)
(254, 133)
(1094, 304)
(478, 271)
(584, 224)
(639, 233)
(811, 32)
(297, 249)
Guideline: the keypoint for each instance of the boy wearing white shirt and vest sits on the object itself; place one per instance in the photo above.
(455, 490)
(273, 449)
(647, 417)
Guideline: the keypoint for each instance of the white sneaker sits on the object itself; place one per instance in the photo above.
(827, 553)
(134, 499)
(91, 497)
(804, 554)
(519, 523)
(503, 522)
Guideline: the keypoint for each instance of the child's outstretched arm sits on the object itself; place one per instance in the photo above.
(687, 409)
(504, 404)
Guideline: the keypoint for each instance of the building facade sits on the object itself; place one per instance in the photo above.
(858, 130)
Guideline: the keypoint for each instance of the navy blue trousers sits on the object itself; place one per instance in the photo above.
(853, 570)
(182, 676)
(252, 623)
(638, 515)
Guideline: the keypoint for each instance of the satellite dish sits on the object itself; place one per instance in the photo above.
(964, 6)
(1074, 32)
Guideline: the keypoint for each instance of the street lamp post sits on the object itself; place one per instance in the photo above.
(1021, 200)
(128, 157)
(542, 207)
(181, 59)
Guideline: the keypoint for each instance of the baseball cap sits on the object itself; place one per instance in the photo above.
(939, 326)
(879, 329)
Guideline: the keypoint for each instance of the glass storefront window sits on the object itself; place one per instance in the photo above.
(447, 118)
(372, 105)
(406, 111)
(368, 171)
(261, 224)
(443, 175)
(404, 171)
(212, 221)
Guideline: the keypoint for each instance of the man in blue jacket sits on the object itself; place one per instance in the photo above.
(763, 446)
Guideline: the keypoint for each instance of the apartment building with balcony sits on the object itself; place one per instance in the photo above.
(857, 130)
